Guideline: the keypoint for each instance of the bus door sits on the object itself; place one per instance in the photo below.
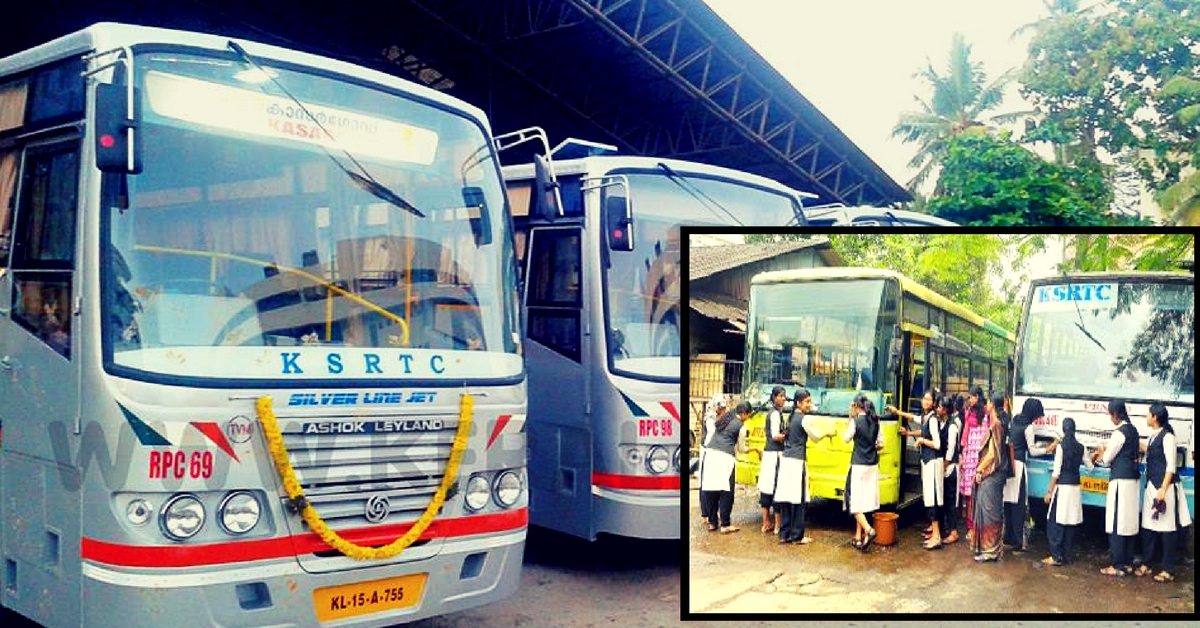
(39, 386)
(915, 380)
(559, 434)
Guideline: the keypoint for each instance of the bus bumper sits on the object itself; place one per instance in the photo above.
(1039, 483)
(468, 572)
(645, 514)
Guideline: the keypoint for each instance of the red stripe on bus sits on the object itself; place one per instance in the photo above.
(501, 421)
(670, 408)
(261, 549)
(642, 482)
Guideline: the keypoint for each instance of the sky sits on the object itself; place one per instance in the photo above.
(855, 60)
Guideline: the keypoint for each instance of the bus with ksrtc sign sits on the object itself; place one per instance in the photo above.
(601, 294)
(260, 355)
(1090, 338)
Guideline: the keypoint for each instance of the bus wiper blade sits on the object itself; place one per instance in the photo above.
(364, 180)
(1080, 326)
(695, 192)
(1093, 338)
(380, 191)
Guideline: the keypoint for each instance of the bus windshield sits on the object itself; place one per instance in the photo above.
(258, 243)
(828, 336)
(1126, 340)
(643, 284)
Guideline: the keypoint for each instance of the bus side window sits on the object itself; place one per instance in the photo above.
(8, 187)
(553, 285)
(43, 244)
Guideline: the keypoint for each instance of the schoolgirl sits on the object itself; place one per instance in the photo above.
(929, 440)
(1016, 490)
(951, 424)
(716, 477)
(1164, 509)
(1064, 497)
(1121, 507)
(716, 408)
(791, 494)
(862, 482)
(768, 470)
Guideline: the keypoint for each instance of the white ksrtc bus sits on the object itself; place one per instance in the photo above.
(259, 342)
(602, 309)
(1090, 338)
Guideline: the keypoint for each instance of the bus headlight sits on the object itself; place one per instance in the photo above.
(633, 455)
(658, 460)
(478, 492)
(181, 517)
(139, 512)
(239, 512)
(677, 459)
(508, 489)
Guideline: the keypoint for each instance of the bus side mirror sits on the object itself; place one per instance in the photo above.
(547, 202)
(116, 134)
(618, 213)
(477, 214)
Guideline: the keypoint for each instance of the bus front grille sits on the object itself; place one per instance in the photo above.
(342, 472)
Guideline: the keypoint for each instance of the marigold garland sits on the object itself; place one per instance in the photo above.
(295, 492)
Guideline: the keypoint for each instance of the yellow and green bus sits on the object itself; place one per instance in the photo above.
(841, 331)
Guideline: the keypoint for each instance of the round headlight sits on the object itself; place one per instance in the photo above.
(139, 512)
(182, 517)
(633, 455)
(658, 460)
(677, 467)
(478, 492)
(508, 489)
(239, 512)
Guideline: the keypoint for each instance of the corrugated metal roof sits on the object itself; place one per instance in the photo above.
(719, 307)
(664, 78)
(709, 260)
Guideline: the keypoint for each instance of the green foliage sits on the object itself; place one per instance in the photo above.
(1105, 252)
(964, 267)
(960, 99)
(992, 181)
(1119, 76)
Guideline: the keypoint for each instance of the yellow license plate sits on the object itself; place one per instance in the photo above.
(1093, 485)
(360, 598)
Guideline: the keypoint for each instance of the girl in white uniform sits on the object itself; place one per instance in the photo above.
(1164, 507)
(716, 478)
(768, 471)
(1064, 496)
(1121, 508)
(862, 482)
(791, 494)
(929, 441)
(716, 408)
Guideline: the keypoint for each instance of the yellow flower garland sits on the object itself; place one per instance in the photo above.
(315, 523)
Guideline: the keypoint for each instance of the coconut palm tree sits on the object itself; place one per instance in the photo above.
(961, 97)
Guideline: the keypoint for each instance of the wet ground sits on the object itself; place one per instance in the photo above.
(749, 572)
(571, 583)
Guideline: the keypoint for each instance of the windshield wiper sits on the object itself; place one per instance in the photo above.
(696, 192)
(364, 180)
(1080, 326)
